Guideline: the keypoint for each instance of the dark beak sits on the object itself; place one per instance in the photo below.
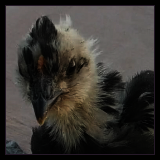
(41, 106)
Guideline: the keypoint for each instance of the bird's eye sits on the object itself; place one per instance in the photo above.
(82, 62)
(71, 68)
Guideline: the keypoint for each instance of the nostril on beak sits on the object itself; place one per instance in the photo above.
(57, 92)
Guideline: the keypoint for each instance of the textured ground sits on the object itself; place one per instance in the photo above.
(126, 37)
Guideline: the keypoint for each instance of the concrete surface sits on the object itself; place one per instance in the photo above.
(126, 37)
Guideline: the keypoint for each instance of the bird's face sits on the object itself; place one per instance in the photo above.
(55, 68)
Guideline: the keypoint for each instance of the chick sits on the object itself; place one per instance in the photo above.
(81, 108)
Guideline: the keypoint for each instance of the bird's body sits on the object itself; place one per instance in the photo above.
(80, 106)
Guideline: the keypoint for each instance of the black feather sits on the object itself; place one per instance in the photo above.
(51, 58)
(44, 34)
(44, 30)
(26, 69)
(42, 142)
(111, 84)
(138, 100)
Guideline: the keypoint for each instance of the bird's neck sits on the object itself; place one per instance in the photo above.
(70, 125)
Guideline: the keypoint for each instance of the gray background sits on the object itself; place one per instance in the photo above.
(125, 34)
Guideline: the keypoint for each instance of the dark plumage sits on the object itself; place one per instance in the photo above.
(80, 106)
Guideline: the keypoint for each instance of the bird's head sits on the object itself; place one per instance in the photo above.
(56, 68)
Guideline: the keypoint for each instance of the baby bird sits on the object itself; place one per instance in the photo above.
(80, 106)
